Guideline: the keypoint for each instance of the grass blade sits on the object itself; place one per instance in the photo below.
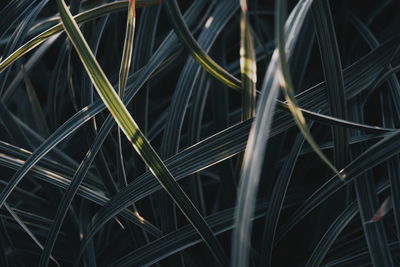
(187, 39)
(86, 191)
(123, 78)
(331, 234)
(185, 236)
(128, 48)
(277, 200)
(357, 78)
(36, 108)
(80, 18)
(287, 85)
(69, 195)
(251, 169)
(85, 114)
(373, 156)
(190, 74)
(26, 229)
(332, 67)
(248, 67)
(134, 135)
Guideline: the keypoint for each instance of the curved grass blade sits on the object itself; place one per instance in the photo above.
(123, 78)
(20, 33)
(187, 39)
(376, 154)
(36, 108)
(34, 58)
(302, 54)
(86, 163)
(200, 156)
(248, 66)
(367, 200)
(135, 136)
(329, 120)
(336, 228)
(357, 77)
(14, 129)
(79, 118)
(69, 195)
(277, 200)
(186, 237)
(128, 48)
(196, 116)
(332, 67)
(393, 171)
(84, 190)
(255, 149)
(375, 234)
(26, 229)
(80, 18)
(361, 258)
(12, 12)
(100, 161)
(385, 76)
(360, 72)
(354, 83)
(286, 83)
(190, 73)
(222, 146)
(222, 12)
(331, 235)
(55, 165)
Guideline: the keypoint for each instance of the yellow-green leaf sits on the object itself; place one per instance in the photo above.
(248, 66)
(134, 134)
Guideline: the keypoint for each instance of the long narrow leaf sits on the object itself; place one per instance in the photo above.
(134, 135)
(255, 149)
(373, 156)
(332, 67)
(197, 52)
(80, 18)
(286, 83)
(247, 65)
(26, 229)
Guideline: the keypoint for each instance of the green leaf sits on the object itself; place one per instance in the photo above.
(331, 234)
(277, 199)
(285, 81)
(255, 149)
(78, 119)
(187, 39)
(184, 237)
(128, 48)
(26, 230)
(36, 108)
(185, 86)
(248, 66)
(123, 78)
(371, 157)
(332, 67)
(62, 179)
(80, 18)
(135, 136)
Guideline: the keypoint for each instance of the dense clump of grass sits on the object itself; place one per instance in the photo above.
(199, 133)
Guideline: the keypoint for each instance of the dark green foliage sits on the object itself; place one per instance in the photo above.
(74, 192)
